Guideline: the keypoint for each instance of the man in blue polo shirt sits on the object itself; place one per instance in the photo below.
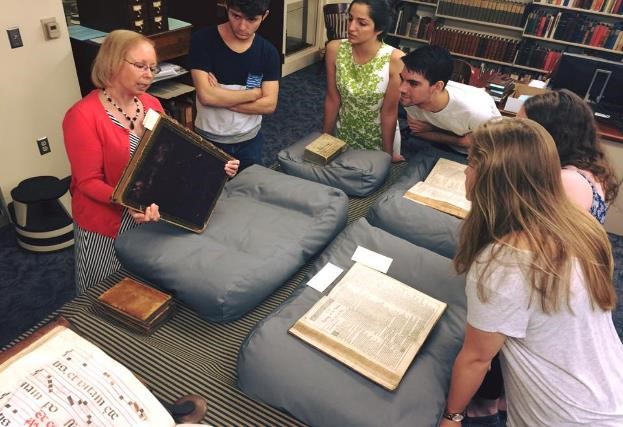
(236, 75)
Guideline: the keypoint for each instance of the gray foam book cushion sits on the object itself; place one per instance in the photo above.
(264, 227)
(356, 172)
(419, 224)
(287, 373)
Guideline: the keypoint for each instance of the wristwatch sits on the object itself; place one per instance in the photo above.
(457, 417)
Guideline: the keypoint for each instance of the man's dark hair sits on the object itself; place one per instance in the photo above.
(433, 62)
(381, 14)
(249, 8)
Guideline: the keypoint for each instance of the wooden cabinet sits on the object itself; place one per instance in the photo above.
(172, 45)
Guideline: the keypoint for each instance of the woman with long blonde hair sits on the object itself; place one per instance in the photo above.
(539, 288)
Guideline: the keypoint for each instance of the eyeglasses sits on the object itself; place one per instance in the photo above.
(155, 69)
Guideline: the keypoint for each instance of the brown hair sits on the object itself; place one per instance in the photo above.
(111, 54)
(571, 123)
(518, 199)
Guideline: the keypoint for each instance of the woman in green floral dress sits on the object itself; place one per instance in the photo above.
(363, 81)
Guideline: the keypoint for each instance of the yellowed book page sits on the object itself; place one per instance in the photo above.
(443, 189)
(448, 175)
(439, 198)
(372, 323)
(64, 380)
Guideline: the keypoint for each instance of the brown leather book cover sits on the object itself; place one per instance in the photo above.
(136, 300)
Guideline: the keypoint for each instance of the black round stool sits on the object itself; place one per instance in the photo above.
(41, 217)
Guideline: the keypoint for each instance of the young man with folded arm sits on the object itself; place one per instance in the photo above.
(236, 75)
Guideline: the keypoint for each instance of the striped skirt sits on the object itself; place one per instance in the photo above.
(95, 254)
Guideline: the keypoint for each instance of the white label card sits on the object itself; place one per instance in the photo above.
(372, 259)
(325, 277)
(151, 118)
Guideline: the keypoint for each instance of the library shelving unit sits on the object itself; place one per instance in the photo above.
(597, 29)
(496, 31)
(497, 44)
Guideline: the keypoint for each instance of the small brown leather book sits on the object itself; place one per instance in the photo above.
(137, 302)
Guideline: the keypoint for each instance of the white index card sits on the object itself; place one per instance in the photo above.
(372, 259)
(325, 277)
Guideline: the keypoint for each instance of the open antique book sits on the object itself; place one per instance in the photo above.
(58, 378)
(443, 189)
(372, 323)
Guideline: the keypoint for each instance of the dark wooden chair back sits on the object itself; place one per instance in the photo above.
(336, 20)
(462, 71)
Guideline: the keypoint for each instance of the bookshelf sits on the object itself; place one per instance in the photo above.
(476, 58)
(581, 10)
(458, 26)
(597, 29)
(473, 21)
(583, 46)
(508, 64)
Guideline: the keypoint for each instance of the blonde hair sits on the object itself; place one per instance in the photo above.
(111, 54)
(517, 197)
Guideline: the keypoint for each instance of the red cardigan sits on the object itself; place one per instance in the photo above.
(98, 151)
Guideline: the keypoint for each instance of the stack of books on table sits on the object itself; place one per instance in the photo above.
(499, 91)
(136, 305)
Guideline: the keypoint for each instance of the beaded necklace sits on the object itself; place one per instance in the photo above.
(130, 120)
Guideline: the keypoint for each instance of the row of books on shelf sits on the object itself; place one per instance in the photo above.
(474, 44)
(412, 25)
(496, 48)
(575, 28)
(605, 6)
(536, 56)
(495, 11)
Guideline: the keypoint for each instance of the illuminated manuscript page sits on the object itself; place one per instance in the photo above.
(64, 380)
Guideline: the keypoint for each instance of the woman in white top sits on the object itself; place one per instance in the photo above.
(588, 178)
(539, 288)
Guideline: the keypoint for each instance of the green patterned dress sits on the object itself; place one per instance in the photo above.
(361, 88)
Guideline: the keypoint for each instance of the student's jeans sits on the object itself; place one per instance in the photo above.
(248, 152)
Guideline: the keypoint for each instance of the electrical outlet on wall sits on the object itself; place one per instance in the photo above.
(44, 145)
(50, 28)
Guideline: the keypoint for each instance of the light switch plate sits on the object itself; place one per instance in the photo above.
(15, 38)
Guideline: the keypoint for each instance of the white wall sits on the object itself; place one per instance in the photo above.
(38, 83)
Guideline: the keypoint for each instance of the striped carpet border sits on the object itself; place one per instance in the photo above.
(189, 355)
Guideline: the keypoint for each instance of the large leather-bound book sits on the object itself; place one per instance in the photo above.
(136, 305)
(443, 189)
(353, 324)
(176, 169)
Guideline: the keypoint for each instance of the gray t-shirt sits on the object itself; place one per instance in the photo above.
(560, 369)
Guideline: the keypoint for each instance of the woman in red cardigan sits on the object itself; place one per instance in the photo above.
(101, 132)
